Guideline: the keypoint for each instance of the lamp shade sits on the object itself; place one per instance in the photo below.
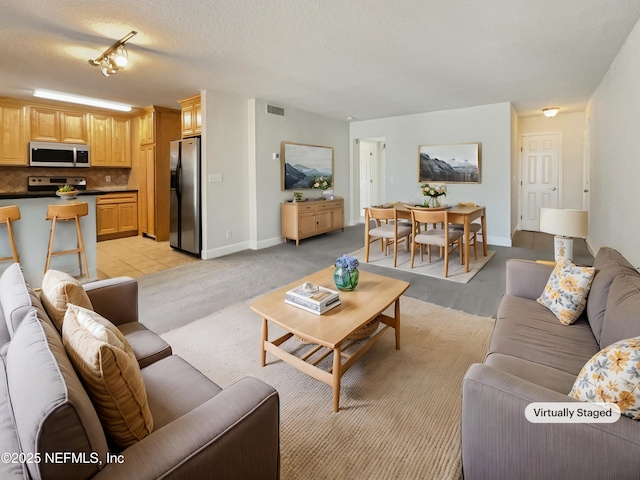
(568, 223)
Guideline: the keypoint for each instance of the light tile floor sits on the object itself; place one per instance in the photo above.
(137, 256)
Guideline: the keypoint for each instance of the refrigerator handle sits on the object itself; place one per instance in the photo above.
(177, 176)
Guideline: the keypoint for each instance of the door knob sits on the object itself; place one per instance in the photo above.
(585, 191)
(553, 189)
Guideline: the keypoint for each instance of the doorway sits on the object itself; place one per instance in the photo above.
(540, 176)
(371, 159)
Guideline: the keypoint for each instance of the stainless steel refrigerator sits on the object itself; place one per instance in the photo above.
(185, 207)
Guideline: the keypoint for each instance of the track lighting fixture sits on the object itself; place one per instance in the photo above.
(115, 57)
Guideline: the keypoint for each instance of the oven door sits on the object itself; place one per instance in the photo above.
(44, 154)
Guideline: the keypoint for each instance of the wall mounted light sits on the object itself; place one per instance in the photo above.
(550, 112)
(115, 57)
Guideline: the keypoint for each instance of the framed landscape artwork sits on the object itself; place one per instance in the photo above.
(301, 164)
(449, 163)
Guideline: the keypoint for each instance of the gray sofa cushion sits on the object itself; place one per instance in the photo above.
(51, 408)
(608, 264)
(546, 377)
(17, 298)
(8, 436)
(622, 318)
(166, 382)
(527, 330)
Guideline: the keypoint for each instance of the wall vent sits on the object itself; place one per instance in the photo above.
(272, 109)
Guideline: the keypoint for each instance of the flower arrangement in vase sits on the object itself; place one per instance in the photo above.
(346, 274)
(434, 193)
(325, 184)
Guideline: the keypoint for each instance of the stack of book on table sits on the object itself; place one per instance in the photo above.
(316, 300)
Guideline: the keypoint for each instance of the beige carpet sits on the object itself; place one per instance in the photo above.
(400, 409)
(433, 269)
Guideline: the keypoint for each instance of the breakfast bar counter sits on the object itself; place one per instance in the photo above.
(31, 234)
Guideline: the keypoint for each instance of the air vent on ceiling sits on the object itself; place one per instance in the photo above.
(272, 109)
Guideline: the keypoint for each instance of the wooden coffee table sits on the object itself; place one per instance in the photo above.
(330, 331)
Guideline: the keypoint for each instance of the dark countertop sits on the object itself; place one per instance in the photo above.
(16, 195)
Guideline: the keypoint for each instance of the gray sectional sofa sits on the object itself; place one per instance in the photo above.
(49, 428)
(534, 358)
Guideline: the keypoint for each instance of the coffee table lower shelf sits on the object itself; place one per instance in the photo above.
(308, 364)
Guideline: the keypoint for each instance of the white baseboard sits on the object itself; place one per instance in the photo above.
(500, 241)
(270, 242)
(226, 250)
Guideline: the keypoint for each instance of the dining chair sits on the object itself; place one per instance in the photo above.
(441, 237)
(387, 230)
(474, 229)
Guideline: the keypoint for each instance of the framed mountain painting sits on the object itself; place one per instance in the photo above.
(302, 164)
(449, 163)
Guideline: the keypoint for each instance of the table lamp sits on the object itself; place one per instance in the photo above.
(564, 223)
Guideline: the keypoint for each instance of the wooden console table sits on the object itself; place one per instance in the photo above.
(313, 217)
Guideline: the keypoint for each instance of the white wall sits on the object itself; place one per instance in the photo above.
(571, 125)
(488, 124)
(238, 140)
(300, 127)
(225, 150)
(614, 117)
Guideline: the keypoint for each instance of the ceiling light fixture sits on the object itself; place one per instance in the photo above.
(93, 102)
(550, 112)
(115, 57)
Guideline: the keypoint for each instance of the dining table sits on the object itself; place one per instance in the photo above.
(463, 214)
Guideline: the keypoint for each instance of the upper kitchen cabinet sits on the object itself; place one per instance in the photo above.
(14, 134)
(110, 141)
(191, 116)
(147, 127)
(54, 125)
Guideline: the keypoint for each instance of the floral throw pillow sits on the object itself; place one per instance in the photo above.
(612, 375)
(566, 291)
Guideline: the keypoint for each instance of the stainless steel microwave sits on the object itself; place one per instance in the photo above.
(49, 154)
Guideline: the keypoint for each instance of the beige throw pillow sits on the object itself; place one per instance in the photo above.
(58, 290)
(109, 371)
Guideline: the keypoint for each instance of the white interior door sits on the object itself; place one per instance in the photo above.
(366, 174)
(540, 176)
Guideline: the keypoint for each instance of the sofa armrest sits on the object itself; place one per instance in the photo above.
(235, 434)
(526, 278)
(498, 442)
(116, 299)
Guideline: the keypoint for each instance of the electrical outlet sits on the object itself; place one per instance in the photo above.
(215, 178)
(108, 178)
(228, 234)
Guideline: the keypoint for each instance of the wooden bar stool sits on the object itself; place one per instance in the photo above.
(9, 214)
(64, 213)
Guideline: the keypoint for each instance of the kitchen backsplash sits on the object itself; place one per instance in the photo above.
(15, 179)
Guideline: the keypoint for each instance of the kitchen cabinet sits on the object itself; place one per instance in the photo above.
(53, 125)
(154, 169)
(117, 215)
(313, 217)
(191, 118)
(110, 141)
(147, 130)
(14, 134)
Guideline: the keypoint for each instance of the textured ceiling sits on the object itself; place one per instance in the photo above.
(360, 58)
